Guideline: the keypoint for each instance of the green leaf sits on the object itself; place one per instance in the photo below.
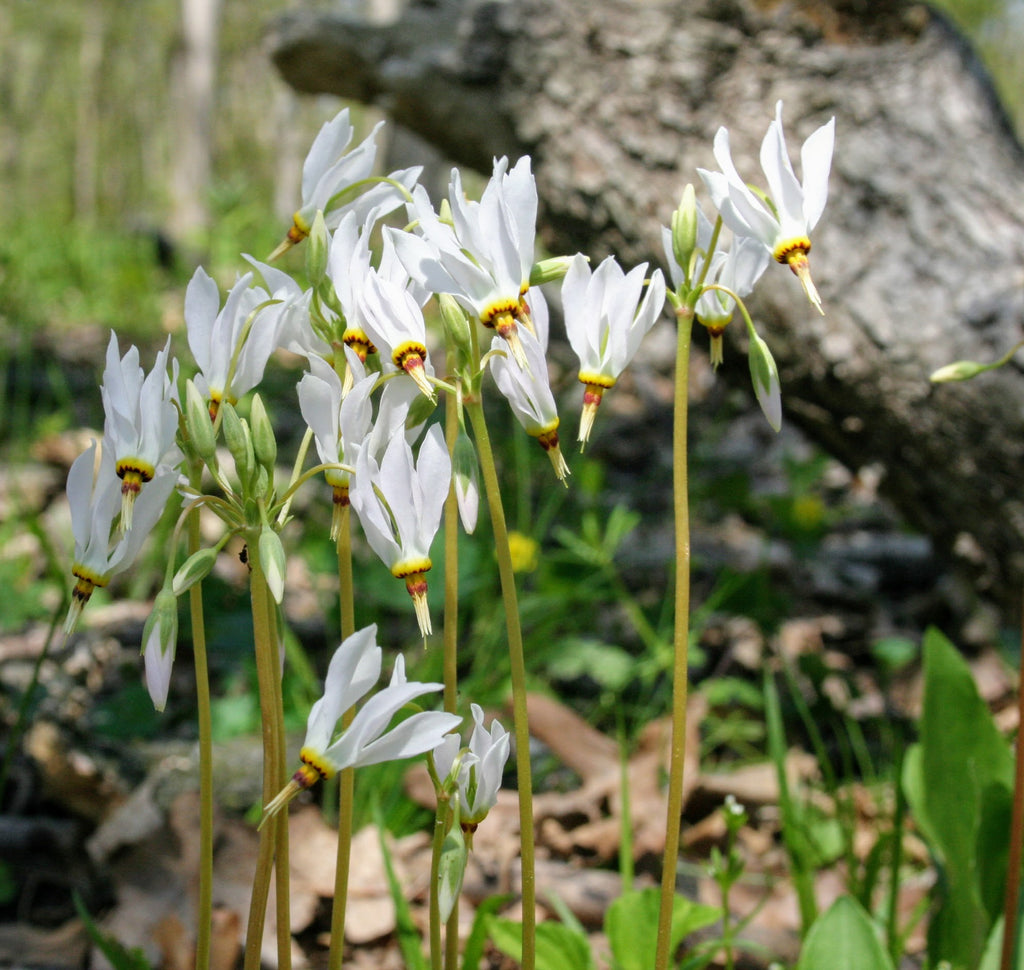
(631, 925)
(843, 938)
(473, 951)
(558, 947)
(960, 755)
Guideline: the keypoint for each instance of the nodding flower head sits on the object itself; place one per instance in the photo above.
(783, 221)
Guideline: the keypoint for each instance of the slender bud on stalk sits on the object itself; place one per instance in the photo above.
(550, 270)
(193, 570)
(264, 443)
(198, 425)
(456, 325)
(239, 442)
(273, 562)
(765, 376)
(159, 638)
(466, 476)
(316, 251)
(961, 370)
(684, 228)
(451, 867)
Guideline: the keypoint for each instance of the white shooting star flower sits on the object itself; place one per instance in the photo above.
(94, 494)
(607, 315)
(783, 224)
(230, 349)
(480, 769)
(528, 393)
(141, 419)
(353, 670)
(336, 181)
(399, 503)
(484, 257)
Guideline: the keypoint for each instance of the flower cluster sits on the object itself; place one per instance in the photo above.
(363, 319)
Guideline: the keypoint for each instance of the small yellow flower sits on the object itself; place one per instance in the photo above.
(525, 552)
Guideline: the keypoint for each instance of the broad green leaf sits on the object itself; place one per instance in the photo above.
(631, 925)
(558, 947)
(843, 938)
(961, 753)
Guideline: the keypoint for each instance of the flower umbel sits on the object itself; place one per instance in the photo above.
(353, 670)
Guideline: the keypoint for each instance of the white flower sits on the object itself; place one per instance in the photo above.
(605, 320)
(795, 208)
(528, 392)
(394, 322)
(232, 345)
(480, 769)
(294, 330)
(94, 495)
(141, 419)
(353, 670)
(339, 425)
(484, 258)
(333, 181)
(399, 503)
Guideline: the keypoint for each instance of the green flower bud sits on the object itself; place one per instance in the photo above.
(264, 443)
(194, 569)
(550, 270)
(684, 229)
(198, 425)
(962, 370)
(420, 409)
(765, 376)
(239, 442)
(159, 639)
(316, 251)
(451, 867)
(272, 561)
(466, 477)
(457, 328)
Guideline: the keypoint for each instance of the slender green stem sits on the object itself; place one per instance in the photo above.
(282, 864)
(451, 644)
(518, 672)
(268, 675)
(346, 779)
(440, 818)
(680, 684)
(1013, 864)
(451, 566)
(204, 909)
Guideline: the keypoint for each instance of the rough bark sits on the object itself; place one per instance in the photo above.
(920, 255)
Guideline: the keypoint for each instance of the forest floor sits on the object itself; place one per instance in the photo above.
(102, 807)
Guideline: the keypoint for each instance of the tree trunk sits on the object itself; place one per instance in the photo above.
(920, 256)
(195, 84)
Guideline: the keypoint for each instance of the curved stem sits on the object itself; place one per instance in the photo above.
(518, 673)
(681, 516)
(346, 779)
(204, 908)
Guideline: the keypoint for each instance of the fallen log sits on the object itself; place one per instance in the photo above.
(919, 258)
